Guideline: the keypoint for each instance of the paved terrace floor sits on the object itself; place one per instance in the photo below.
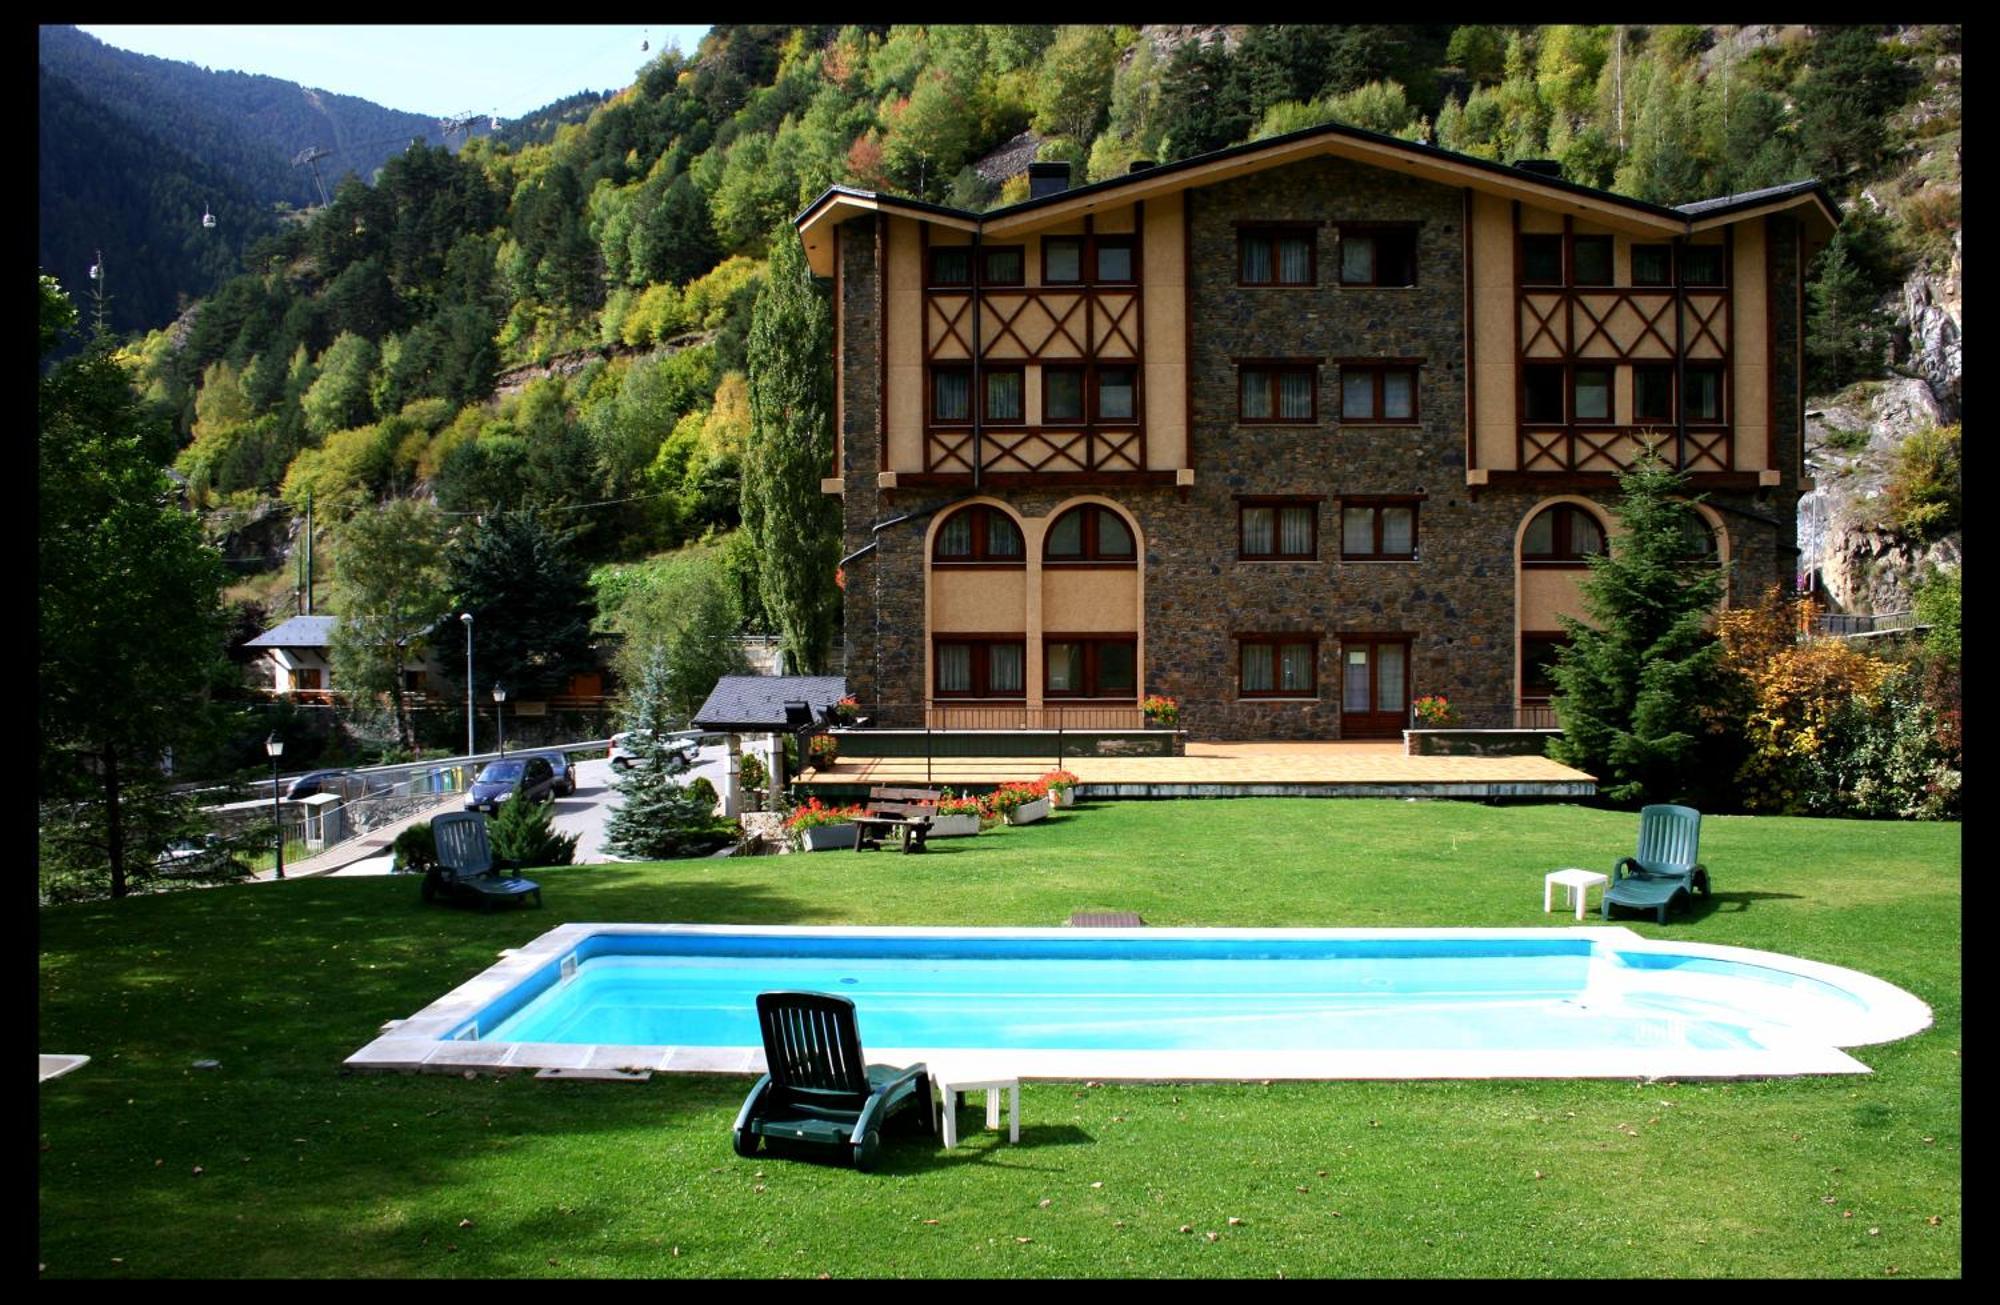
(1353, 768)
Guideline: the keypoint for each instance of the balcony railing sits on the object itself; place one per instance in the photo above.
(1589, 448)
(1037, 450)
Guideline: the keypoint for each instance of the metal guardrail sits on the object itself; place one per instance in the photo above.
(1841, 625)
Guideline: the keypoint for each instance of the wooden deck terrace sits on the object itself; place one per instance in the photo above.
(1255, 769)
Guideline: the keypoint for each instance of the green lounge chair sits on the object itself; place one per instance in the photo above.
(466, 866)
(1663, 867)
(819, 1089)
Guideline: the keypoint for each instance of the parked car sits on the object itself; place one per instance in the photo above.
(624, 756)
(200, 857)
(565, 773)
(313, 782)
(529, 778)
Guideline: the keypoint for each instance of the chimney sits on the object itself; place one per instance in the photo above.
(1541, 167)
(1047, 179)
(1140, 165)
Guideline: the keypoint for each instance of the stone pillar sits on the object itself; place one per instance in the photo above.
(731, 788)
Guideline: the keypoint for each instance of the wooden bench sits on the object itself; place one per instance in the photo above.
(905, 811)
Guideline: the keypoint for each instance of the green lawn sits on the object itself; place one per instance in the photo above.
(277, 1164)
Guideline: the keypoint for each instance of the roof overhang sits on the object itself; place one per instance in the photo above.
(837, 204)
(1813, 208)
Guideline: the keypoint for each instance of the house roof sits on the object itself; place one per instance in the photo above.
(1426, 161)
(298, 632)
(769, 703)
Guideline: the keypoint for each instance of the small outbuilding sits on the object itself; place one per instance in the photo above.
(764, 708)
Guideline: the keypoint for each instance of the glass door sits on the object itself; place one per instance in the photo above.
(1374, 687)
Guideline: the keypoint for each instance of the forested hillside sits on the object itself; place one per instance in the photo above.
(128, 140)
(356, 356)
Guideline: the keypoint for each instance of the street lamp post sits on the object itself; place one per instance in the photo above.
(466, 617)
(276, 747)
(499, 707)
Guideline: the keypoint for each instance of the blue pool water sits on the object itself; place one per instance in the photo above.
(1515, 993)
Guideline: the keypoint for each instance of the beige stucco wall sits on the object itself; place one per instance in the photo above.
(906, 346)
(1547, 592)
(1080, 601)
(1164, 266)
(1750, 403)
(986, 601)
(1493, 330)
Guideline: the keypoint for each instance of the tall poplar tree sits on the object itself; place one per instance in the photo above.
(129, 606)
(794, 526)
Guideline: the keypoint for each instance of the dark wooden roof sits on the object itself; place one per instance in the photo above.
(769, 703)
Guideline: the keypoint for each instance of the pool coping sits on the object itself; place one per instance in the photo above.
(422, 1042)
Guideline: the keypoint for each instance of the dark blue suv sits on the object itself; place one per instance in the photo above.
(524, 779)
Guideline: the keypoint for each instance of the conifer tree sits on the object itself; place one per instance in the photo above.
(524, 833)
(795, 527)
(1845, 332)
(1631, 684)
(657, 816)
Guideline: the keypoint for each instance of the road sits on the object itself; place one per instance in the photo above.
(585, 814)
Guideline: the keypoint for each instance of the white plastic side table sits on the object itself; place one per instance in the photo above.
(951, 1082)
(1576, 887)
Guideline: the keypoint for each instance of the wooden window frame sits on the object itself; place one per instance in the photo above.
(1562, 391)
(1082, 265)
(931, 278)
(986, 253)
(1274, 367)
(1721, 374)
(1562, 263)
(1667, 250)
(1093, 388)
(1380, 371)
(1375, 231)
(1563, 554)
(1097, 244)
(1610, 263)
(931, 372)
(1274, 232)
(1084, 393)
(981, 557)
(1681, 269)
(1093, 644)
(1610, 371)
(986, 375)
(981, 666)
(1537, 692)
(1273, 642)
(1673, 397)
(1375, 504)
(1278, 503)
(1092, 554)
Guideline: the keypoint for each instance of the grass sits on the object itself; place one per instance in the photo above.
(276, 1164)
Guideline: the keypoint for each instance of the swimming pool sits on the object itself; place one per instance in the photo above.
(1166, 1003)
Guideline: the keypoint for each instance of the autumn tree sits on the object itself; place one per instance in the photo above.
(795, 527)
(1073, 86)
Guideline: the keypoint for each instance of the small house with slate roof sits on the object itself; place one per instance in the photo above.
(300, 653)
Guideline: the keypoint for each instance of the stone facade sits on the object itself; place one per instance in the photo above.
(1456, 602)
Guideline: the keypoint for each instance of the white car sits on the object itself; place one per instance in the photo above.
(623, 757)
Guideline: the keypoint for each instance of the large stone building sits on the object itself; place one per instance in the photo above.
(1293, 432)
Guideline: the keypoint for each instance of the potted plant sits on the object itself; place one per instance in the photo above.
(1020, 804)
(1061, 785)
(1162, 713)
(1434, 711)
(956, 817)
(754, 779)
(846, 711)
(816, 827)
(823, 750)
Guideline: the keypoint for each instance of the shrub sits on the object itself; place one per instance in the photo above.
(1925, 486)
(752, 773)
(701, 790)
(524, 834)
(416, 848)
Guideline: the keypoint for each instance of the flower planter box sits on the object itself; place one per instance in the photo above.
(960, 826)
(1029, 812)
(1063, 798)
(827, 838)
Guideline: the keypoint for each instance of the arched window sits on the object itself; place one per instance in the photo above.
(979, 534)
(1093, 534)
(1562, 533)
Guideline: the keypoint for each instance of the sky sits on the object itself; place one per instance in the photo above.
(438, 70)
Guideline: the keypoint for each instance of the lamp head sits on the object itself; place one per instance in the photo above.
(275, 746)
(499, 693)
(465, 617)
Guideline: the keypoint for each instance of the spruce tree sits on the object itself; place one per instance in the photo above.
(1846, 334)
(795, 527)
(658, 817)
(1631, 683)
(524, 833)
